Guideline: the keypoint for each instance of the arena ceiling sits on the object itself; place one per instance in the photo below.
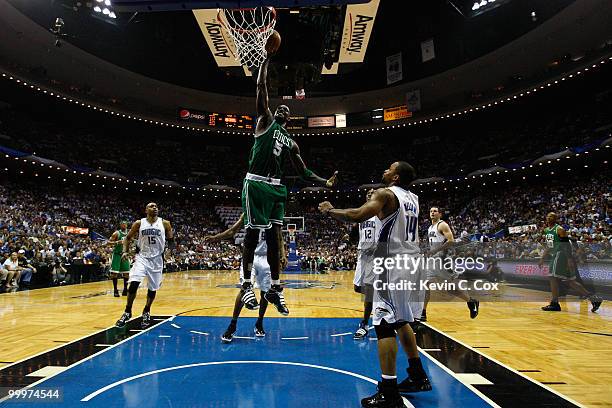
(170, 46)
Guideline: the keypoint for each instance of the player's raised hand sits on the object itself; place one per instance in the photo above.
(325, 207)
(209, 239)
(332, 180)
(124, 256)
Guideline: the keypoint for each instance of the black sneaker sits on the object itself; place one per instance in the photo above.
(146, 320)
(229, 334)
(259, 331)
(125, 317)
(277, 299)
(124, 293)
(116, 293)
(473, 305)
(362, 332)
(409, 385)
(596, 302)
(389, 398)
(552, 307)
(248, 298)
(423, 317)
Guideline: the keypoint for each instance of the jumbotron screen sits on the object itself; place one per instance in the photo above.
(229, 120)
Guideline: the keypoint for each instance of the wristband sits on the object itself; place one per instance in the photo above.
(307, 173)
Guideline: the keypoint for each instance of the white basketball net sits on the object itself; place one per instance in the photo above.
(250, 30)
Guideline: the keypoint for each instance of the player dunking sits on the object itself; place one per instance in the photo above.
(398, 211)
(152, 232)
(560, 266)
(261, 269)
(441, 238)
(119, 266)
(263, 195)
(364, 277)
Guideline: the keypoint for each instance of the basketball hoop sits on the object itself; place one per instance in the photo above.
(250, 29)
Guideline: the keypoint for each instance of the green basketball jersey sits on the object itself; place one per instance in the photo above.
(118, 250)
(269, 152)
(553, 240)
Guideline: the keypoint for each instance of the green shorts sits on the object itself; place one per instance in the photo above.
(263, 204)
(560, 267)
(118, 265)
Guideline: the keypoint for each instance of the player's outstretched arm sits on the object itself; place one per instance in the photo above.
(372, 207)
(228, 233)
(264, 116)
(128, 239)
(305, 173)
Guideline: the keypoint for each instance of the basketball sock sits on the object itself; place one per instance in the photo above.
(389, 381)
(115, 284)
(147, 309)
(125, 282)
(415, 368)
(234, 322)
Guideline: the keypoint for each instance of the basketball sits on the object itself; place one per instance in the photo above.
(274, 42)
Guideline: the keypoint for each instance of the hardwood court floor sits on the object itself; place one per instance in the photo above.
(570, 348)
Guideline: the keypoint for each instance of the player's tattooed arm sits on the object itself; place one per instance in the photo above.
(228, 233)
(372, 207)
(305, 173)
(264, 116)
(128, 239)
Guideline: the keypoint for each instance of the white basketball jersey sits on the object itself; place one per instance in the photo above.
(435, 237)
(151, 238)
(400, 230)
(367, 233)
(262, 247)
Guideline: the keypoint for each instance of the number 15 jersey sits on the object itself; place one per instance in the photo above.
(151, 238)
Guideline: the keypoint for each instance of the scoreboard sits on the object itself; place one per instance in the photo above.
(229, 120)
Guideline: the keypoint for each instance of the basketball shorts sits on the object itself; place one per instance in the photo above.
(364, 274)
(151, 268)
(560, 267)
(435, 270)
(263, 204)
(260, 273)
(118, 265)
(395, 299)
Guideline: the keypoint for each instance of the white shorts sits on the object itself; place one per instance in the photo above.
(260, 273)
(397, 305)
(151, 268)
(364, 274)
(436, 270)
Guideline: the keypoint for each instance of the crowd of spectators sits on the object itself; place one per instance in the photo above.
(547, 125)
(34, 242)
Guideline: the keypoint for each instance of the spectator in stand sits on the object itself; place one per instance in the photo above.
(13, 271)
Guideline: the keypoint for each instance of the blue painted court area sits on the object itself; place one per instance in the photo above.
(300, 363)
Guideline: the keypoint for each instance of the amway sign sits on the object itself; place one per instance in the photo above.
(218, 39)
(358, 24)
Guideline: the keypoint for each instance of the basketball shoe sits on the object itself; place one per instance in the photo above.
(552, 307)
(596, 302)
(146, 320)
(362, 331)
(248, 297)
(275, 296)
(473, 305)
(229, 333)
(387, 396)
(125, 317)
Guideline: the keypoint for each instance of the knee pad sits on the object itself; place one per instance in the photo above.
(133, 287)
(151, 294)
(384, 330)
(251, 238)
